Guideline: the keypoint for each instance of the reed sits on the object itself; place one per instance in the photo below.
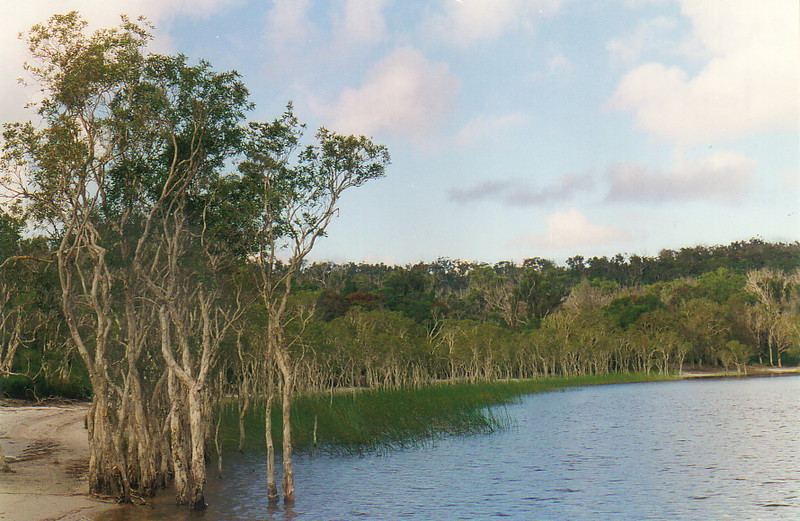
(377, 420)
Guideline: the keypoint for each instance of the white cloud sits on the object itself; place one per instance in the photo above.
(750, 82)
(19, 16)
(558, 64)
(403, 94)
(571, 228)
(722, 176)
(361, 22)
(305, 39)
(650, 34)
(464, 23)
(288, 23)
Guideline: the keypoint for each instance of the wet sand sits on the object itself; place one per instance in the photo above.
(47, 449)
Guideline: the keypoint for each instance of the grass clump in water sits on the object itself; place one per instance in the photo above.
(376, 420)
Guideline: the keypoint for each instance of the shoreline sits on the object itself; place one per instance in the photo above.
(750, 371)
(47, 448)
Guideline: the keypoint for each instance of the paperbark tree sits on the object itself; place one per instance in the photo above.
(772, 320)
(123, 172)
(60, 172)
(298, 192)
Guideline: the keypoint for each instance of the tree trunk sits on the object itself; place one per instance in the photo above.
(272, 487)
(197, 430)
(243, 408)
(146, 479)
(178, 447)
(3, 464)
(286, 415)
(218, 447)
(107, 466)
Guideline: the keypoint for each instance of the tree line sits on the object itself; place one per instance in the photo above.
(153, 255)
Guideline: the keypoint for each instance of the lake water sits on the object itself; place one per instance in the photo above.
(700, 449)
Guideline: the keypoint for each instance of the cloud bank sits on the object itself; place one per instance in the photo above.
(749, 83)
(403, 94)
(720, 176)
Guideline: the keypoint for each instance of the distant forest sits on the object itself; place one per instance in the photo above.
(376, 325)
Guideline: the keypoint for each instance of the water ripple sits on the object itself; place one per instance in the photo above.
(722, 450)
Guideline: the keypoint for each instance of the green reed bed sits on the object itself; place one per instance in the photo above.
(370, 420)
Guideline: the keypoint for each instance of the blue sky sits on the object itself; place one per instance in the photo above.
(517, 128)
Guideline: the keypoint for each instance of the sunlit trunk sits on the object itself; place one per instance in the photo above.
(197, 430)
(177, 442)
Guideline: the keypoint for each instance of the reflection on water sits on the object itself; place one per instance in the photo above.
(712, 449)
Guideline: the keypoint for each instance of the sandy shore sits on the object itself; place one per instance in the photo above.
(751, 371)
(47, 450)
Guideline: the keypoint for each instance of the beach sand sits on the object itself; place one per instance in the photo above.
(47, 449)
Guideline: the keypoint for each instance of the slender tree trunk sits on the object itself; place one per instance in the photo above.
(244, 406)
(272, 487)
(218, 446)
(286, 416)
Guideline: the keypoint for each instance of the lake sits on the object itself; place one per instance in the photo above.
(690, 449)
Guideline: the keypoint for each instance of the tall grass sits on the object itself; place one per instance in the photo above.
(371, 420)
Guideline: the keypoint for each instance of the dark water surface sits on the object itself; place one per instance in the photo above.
(694, 450)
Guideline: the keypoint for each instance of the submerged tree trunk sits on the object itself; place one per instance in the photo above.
(244, 406)
(272, 487)
(197, 430)
(287, 381)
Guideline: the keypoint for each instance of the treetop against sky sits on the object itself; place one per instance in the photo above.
(518, 128)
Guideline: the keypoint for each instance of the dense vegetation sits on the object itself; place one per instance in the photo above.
(153, 256)
(390, 326)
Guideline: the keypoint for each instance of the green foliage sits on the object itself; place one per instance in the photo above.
(739, 257)
(377, 339)
(407, 291)
(40, 387)
(721, 285)
(10, 235)
(624, 311)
